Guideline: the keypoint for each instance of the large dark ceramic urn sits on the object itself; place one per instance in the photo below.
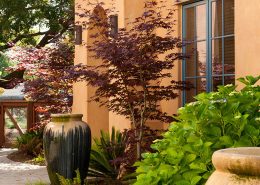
(67, 144)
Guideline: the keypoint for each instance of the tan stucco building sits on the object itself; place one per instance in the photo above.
(225, 35)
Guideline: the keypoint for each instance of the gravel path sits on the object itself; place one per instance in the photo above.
(16, 173)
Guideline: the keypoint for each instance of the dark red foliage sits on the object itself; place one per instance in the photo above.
(44, 82)
(129, 81)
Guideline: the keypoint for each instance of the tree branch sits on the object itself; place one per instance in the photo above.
(18, 38)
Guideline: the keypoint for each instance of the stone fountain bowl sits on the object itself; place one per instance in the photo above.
(236, 166)
(240, 161)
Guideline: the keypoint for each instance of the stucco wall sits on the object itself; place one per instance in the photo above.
(247, 37)
(97, 117)
(172, 106)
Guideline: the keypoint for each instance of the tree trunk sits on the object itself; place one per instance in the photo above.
(138, 150)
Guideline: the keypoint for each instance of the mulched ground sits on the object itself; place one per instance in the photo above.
(24, 158)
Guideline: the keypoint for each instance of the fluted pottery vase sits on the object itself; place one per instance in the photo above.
(236, 166)
(67, 144)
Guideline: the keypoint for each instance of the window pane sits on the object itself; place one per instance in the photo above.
(201, 22)
(220, 41)
(229, 17)
(191, 93)
(201, 85)
(216, 18)
(229, 56)
(229, 80)
(196, 61)
(217, 57)
(216, 81)
(190, 61)
(190, 24)
(201, 58)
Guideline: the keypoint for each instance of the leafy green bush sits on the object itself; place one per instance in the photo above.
(227, 118)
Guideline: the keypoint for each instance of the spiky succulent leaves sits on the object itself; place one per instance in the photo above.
(99, 165)
(112, 145)
(106, 152)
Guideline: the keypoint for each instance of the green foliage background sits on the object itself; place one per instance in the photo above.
(34, 22)
(223, 119)
(5, 62)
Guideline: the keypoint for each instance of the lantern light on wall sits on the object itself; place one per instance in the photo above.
(78, 34)
(114, 25)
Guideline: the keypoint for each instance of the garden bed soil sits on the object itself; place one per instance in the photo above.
(24, 158)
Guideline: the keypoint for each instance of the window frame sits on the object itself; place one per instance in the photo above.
(209, 39)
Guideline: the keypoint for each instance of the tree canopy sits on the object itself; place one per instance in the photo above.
(34, 22)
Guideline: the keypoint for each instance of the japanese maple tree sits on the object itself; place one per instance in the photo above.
(44, 71)
(135, 62)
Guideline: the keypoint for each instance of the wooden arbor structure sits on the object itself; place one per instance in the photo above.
(14, 98)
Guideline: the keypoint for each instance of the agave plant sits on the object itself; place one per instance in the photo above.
(105, 155)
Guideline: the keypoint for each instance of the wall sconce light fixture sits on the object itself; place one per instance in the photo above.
(78, 34)
(114, 25)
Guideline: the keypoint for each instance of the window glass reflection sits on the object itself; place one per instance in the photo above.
(217, 57)
(229, 80)
(228, 17)
(201, 58)
(201, 85)
(192, 92)
(190, 61)
(201, 22)
(216, 81)
(190, 24)
(229, 56)
(216, 18)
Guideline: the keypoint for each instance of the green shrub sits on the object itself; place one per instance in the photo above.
(227, 118)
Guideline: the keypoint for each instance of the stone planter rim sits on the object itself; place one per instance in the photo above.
(66, 115)
(240, 161)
